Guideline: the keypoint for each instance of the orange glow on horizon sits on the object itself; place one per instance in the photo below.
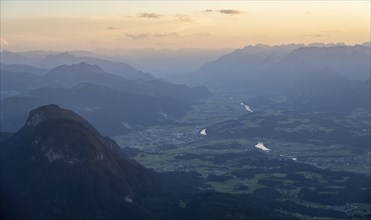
(183, 24)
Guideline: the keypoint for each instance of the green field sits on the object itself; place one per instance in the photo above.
(222, 159)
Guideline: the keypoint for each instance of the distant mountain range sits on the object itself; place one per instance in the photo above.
(71, 75)
(158, 62)
(111, 111)
(49, 61)
(321, 75)
(169, 62)
(113, 104)
(18, 83)
(22, 68)
(108, 66)
(59, 167)
(251, 62)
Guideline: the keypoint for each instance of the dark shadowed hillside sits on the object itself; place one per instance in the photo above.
(59, 167)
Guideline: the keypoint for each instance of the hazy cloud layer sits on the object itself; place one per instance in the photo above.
(141, 36)
(230, 11)
(183, 18)
(111, 28)
(166, 34)
(316, 35)
(225, 11)
(137, 36)
(149, 15)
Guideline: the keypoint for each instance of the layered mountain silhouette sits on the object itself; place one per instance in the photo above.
(8, 57)
(112, 103)
(59, 167)
(111, 111)
(349, 61)
(49, 60)
(18, 79)
(317, 75)
(119, 68)
(352, 62)
(71, 75)
(22, 68)
(17, 83)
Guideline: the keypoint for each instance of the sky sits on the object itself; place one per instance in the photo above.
(91, 25)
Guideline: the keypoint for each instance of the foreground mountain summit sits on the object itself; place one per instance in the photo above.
(59, 167)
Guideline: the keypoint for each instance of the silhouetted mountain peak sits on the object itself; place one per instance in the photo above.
(84, 64)
(38, 115)
(57, 153)
(87, 85)
(79, 68)
(50, 112)
(64, 56)
(62, 135)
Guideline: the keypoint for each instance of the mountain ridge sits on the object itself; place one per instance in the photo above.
(64, 149)
(59, 167)
(111, 111)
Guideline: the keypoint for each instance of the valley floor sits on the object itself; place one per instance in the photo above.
(305, 173)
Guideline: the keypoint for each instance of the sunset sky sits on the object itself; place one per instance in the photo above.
(89, 25)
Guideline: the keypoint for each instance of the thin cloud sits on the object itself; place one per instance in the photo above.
(111, 28)
(137, 36)
(182, 18)
(141, 36)
(316, 35)
(230, 11)
(149, 15)
(209, 10)
(166, 34)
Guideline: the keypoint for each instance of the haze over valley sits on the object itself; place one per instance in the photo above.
(185, 110)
